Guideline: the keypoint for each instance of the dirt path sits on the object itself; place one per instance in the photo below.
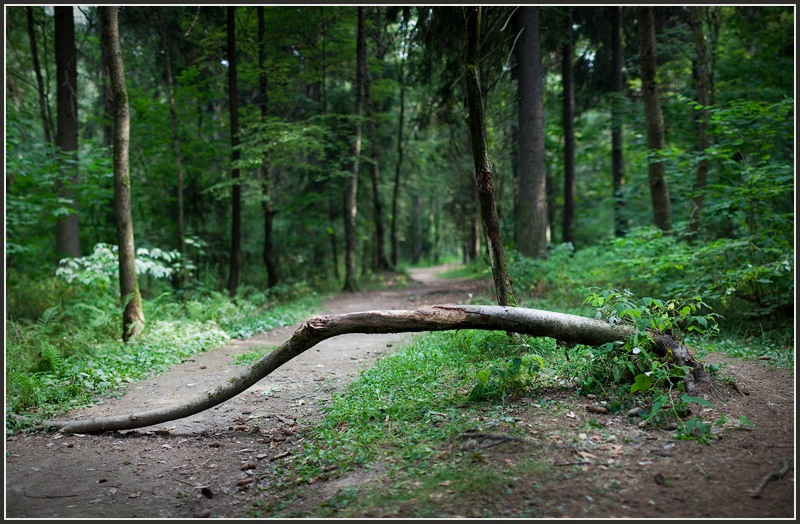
(216, 463)
(164, 470)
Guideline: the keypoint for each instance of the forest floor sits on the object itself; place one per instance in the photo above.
(220, 463)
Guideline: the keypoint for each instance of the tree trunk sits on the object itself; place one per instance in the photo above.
(351, 205)
(67, 227)
(173, 120)
(703, 98)
(266, 167)
(569, 133)
(397, 168)
(659, 191)
(531, 203)
(380, 262)
(43, 106)
(571, 329)
(483, 169)
(133, 315)
(617, 161)
(236, 189)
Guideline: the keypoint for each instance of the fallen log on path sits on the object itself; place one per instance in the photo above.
(571, 329)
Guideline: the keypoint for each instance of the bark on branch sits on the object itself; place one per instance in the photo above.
(564, 327)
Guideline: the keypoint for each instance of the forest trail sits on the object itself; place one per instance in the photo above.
(223, 461)
(141, 473)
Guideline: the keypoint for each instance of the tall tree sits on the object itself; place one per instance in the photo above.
(173, 121)
(569, 131)
(480, 155)
(617, 161)
(404, 46)
(266, 165)
(351, 207)
(67, 228)
(531, 205)
(659, 191)
(132, 315)
(44, 110)
(703, 98)
(236, 188)
(381, 261)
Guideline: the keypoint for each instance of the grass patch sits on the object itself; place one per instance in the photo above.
(72, 356)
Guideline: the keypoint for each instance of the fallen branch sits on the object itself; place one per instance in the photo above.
(561, 326)
(775, 475)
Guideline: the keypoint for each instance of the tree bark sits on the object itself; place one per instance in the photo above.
(617, 160)
(266, 166)
(659, 191)
(43, 106)
(568, 328)
(483, 169)
(703, 98)
(133, 314)
(351, 205)
(397, 168)
(569, 133)
(67, 226)
(532, 221)
(173, 121)
(380, 260)
(236, 189)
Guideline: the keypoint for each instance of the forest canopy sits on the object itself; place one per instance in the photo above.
(724, 80)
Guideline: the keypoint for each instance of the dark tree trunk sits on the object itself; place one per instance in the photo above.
(398, 166)
(569, 133)
(43, 106)
(236, 189)
(703, 98)
(133, 315)
(173, 121)
(380, 260)
(531, 203)
(483, 169)
(351, 204)
(67, 227)
(659, 191)
(266, 168)
(617, 160)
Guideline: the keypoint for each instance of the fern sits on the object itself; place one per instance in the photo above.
(52, 357)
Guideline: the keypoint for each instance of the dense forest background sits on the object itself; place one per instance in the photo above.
(250, 127)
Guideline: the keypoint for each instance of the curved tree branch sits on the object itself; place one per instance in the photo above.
(561, 326)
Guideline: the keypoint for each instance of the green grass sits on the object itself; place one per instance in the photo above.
(72, 356)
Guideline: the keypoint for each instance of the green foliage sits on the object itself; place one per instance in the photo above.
(71, 355)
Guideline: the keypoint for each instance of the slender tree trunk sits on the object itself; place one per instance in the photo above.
(400, 124)
(351, 205)
(67, 227)
(236, 189)
(43, 112)
(380, 262)
(569, 133)
(703, 98)
(617, 161)
(659, 191)
(173, 121)
(531, 209)
(416, 236)
(266, 168)
(133, 315)
(483, 169)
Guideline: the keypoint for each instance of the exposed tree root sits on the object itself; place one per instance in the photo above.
(564, 327)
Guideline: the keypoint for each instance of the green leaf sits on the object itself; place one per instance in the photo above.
(643, 383)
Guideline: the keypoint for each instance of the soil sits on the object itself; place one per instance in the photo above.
(217, 463)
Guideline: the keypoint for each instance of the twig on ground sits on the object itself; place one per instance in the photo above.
(775, 475)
